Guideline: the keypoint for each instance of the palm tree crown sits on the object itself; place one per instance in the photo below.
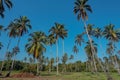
(80, 9)
(57, 30)
(8, 3)
(23, 24)
(36, 44)
(88, 49)
(51, 39)
(111, 34)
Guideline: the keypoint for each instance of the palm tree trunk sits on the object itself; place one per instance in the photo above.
(93, 53)
(86, 66)
(8, 74)
(91, 68)
(93, 50)
(12, 63)
(37, 67)
(63, 45)
(4, 56)
(57, 56)
(50, 68)
(18, 41)
(50, 60)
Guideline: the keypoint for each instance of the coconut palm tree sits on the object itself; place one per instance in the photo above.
(81, 7)
(19, 26)
(36, 45)
(56, 31)
(113, 35)
(8, 3)
(11, 34)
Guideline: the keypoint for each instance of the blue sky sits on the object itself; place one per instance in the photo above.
(44, 13)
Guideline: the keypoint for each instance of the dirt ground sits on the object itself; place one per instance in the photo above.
(29, 76)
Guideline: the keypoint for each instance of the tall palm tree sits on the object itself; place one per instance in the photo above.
(11, 34)
(113, 35)
(19, 26)
(56, 31)
(81, 7)
(36, 45)
(8, 3)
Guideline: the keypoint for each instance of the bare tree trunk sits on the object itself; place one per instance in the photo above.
(57, 56)
(63, 45)
(38, 68)
(93, 50)
(8, 74)
(50, 60)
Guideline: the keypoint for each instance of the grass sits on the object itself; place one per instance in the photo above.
(69, 76)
